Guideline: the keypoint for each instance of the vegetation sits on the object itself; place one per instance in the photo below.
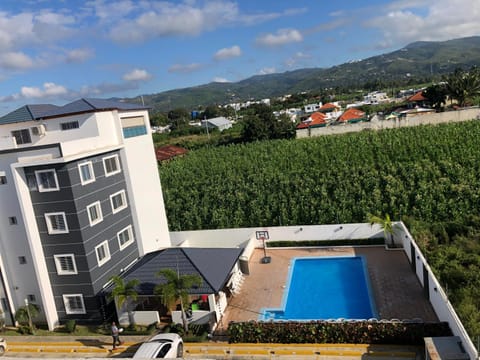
(125, 293)
(25, 316)
(386, 224)
(317, 243)
(428, 176)
(360, 332)
(176, 288)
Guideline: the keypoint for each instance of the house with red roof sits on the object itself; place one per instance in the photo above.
(351, 116)
(317, 119)
(418, 99)
(329, 107)
(168, 152)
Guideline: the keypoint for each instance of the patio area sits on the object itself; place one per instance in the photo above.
(398, 293)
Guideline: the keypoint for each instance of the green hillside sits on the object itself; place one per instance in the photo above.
(412, 64)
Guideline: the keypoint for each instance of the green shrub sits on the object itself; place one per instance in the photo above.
(70, 326)
(348, 332)
(343, 242)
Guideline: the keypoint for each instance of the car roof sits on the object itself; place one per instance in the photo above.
(165, 336)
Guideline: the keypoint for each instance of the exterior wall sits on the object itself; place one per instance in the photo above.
(228, 238)
(411, 120)
(99, 134)
(143, 182)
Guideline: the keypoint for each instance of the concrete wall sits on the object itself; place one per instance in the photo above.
(411, 120)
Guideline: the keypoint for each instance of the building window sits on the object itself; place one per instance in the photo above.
(94, 213)
(22, 260)
(103, 253)
(86, 173)
(111, 165)
(118, 201)
(22, 136)
(74, 304)
(56, 223)
(31, 298)
(3, 179)
(47, 180)
(12, 220)
(69, 125)
(125, 237)
(65, 264)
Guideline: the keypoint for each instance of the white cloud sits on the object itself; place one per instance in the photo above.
(15, 61)
(220, 80)
(137, 75)
(281, 37)
(227, 53)
(49, 90)
(267, 70)
(407, 21)
(79, 55)
(188, 68)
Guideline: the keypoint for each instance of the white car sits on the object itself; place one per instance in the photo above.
(3, 346)
(163, 346)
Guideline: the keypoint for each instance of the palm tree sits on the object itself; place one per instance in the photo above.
(26, 313)
(125, 293)
(175, 289)
(463, 85)
(386, 224)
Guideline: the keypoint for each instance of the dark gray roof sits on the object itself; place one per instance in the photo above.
(41, 111)
(212, 264)
(27, 113)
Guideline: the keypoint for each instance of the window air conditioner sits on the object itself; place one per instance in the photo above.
(38, 130)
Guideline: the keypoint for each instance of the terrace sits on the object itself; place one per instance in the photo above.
(396, 290)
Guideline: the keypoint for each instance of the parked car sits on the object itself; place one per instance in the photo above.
(163, 346)
(3, 346)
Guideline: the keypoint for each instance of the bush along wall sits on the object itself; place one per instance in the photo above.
(323, 332)
(342, 242)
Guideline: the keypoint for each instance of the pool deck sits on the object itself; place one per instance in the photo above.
(398, 293)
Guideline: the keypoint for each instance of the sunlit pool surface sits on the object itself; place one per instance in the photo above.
(325, 288)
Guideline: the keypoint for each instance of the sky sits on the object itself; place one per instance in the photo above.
(57, 51)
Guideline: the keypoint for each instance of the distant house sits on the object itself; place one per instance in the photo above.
(309, 108)
(219, 123)
(417, 100)
(329, 107)
(352, 115)
(316, 119)
(168, 152)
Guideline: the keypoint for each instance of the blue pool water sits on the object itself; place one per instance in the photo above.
(325, 288)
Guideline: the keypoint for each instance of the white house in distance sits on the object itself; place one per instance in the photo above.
(75, 209)
(221, 123)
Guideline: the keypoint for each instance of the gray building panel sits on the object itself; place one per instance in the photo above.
(81, 240)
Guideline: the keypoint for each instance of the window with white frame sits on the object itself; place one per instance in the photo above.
(47, 180)
(74, 304)
(22, 136)
(3, 179)
(65, 264)
(125, 237)
(118, 201)
(86, 173)
(56, 223)
(111, 165)
(103, 253)
(94, 213)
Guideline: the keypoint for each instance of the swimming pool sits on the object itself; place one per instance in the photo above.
(324, 288)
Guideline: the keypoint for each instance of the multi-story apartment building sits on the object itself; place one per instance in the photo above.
(80, 200)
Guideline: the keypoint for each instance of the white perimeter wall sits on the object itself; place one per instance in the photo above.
(412, 120)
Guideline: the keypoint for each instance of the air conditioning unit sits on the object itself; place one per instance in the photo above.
(38, 130)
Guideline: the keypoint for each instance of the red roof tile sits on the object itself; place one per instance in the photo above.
(329, 106)
(351, 114)
(169, 152)
(314, 119)
(417, 97)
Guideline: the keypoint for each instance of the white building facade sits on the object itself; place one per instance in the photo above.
(81, 200)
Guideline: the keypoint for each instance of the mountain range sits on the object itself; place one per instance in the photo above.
(413, 64)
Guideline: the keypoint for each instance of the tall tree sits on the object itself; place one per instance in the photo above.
(436, 95)
(463, 85)
(125, 293)
(176, 288)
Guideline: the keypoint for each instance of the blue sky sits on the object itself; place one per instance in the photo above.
(55, 51)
